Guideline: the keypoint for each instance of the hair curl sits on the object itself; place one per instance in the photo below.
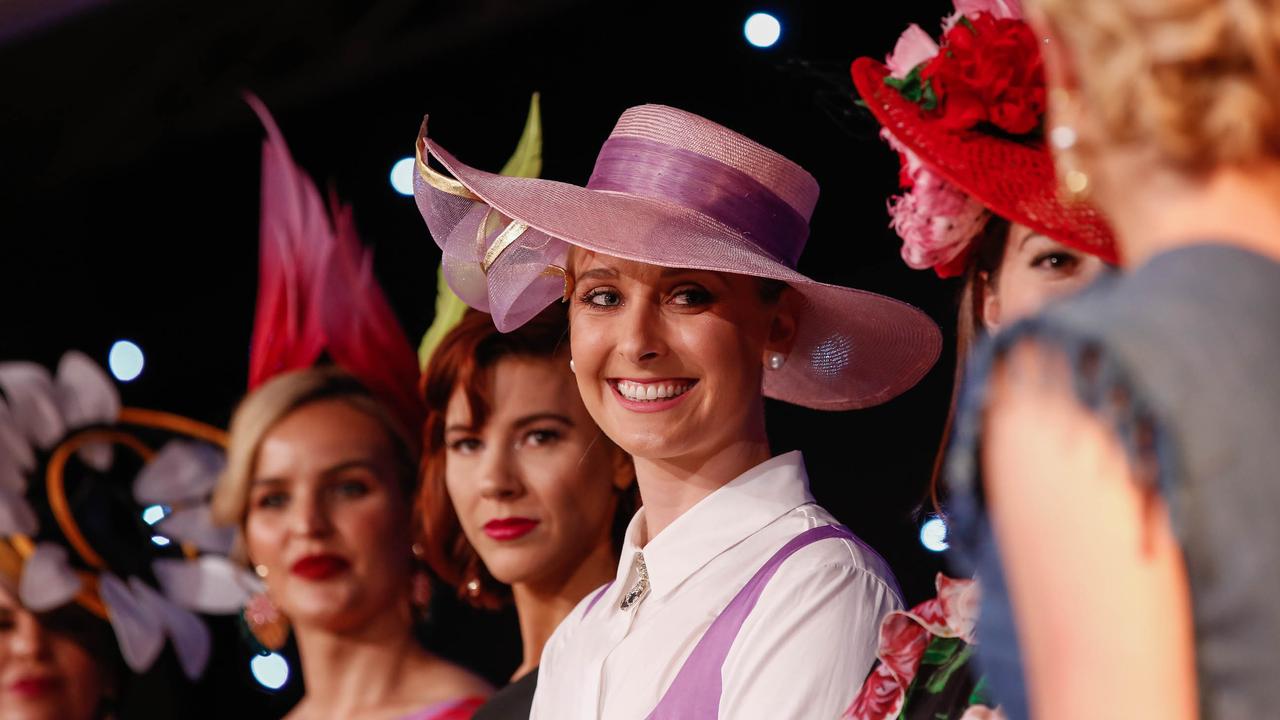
(1198, 81)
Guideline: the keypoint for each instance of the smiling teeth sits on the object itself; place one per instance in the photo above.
(645, 392)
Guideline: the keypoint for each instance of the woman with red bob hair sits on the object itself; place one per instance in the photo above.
(523, 498)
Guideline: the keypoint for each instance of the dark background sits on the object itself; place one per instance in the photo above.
(129, 174)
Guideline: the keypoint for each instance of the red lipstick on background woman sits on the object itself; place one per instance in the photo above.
(511, 528)
(320, 567)
(33, 686)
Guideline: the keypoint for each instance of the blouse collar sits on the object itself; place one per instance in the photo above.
(716, 523)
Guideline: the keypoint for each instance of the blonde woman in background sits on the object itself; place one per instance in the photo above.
(322, 468)
(320, 481)
(1127, 462)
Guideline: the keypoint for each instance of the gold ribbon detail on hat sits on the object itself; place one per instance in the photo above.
(509, 235)
(439, 181)
(449, 185)
(527, 162)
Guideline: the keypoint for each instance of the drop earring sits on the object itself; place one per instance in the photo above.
(774, 360)
(1064, 139)
(265, 622)
(419, 582)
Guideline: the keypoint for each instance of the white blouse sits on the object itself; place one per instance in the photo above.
(802, 653)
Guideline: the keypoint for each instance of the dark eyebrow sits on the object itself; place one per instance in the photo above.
(457, 427)
(266, 481)
(539, 417)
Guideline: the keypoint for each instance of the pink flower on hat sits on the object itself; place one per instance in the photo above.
(914, 47)
(935, 219)
(999, 9)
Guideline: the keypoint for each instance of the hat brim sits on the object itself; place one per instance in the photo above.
(853, 349)
(1014, 180)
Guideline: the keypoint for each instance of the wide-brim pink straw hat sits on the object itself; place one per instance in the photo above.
(675, 190)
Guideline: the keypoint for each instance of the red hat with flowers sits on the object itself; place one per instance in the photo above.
(966, 116)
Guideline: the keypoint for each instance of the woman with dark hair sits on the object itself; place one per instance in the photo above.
(980, 203)
(523, 498)
(58, 665)
(980, 198)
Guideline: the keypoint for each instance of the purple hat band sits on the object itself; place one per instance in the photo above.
(657, 171)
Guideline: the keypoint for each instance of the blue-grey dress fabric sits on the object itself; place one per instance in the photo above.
(1181, 357)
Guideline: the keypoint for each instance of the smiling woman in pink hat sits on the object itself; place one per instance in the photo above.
(736, 594)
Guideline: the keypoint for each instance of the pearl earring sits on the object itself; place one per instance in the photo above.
(572, 369)
(260, 571)
(774, 360)
(1063, 137)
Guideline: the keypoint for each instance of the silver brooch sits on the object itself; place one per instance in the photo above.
(641, 588)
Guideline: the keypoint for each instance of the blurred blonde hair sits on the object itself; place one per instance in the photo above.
(1197, 81)
(270, 403)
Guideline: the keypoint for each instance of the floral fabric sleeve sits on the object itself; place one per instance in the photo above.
(924, 670)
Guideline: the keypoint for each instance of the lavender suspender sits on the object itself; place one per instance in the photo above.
(695, 693)
(596, 599)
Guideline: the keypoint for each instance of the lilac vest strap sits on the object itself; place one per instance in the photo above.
(695, 693)
(599, 594)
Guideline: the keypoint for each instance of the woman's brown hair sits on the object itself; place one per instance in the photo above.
(464, 360)
(979, 276)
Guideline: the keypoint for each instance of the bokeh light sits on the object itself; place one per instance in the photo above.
(271, 671)
(125, 360)
(762, 30)
(933, 534)
(402, 176)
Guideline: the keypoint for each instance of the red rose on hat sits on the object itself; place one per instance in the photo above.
(989, 71)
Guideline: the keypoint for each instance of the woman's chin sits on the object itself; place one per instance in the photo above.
(333, 610)
(513, 566)
(658, 442)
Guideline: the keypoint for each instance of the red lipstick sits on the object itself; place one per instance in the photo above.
(511, 528)
(34, 686)
(320, 567)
